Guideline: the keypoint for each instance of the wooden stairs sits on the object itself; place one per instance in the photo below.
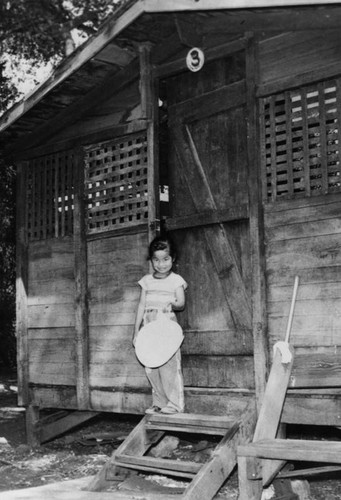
(207, 478)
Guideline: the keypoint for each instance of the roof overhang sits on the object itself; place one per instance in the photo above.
(183, 5)
(117, 23)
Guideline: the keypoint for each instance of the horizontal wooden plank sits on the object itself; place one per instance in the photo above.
(54, 396)
(312, 409)
(304, 17)
(110, 339)
(232, 214)
(150, 463)
(133, 382)
(107, 307)
(303, 308)
(120, 401)
(291, 214)
(286, 276)
(223, 50)
(112, 319)
(51, 291)
(49, 274)
(216, 101)
(51, 315)
(304, 253)
(306, 331)
(285, 205)
(192, 419)
(188, 5)
(218, 371)
(117, 368)
(119, 358)
(51, 333)
(197, 400)
(218, 342)
(304, 229)
(307, 291)
(51, 351)
(130, 244)
(45, 249)
(294, 449)
(316, 370)
(295, 53)
(61, 373)
(105, 292)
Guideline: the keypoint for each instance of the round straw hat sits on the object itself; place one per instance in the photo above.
(158, 341)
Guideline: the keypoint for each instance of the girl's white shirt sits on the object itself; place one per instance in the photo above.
(161, 292)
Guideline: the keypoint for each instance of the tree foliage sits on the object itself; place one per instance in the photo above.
(38, 29)
(44, 30)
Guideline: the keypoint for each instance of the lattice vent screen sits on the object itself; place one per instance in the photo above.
(301, 136)
(116, 184)
(50, 196)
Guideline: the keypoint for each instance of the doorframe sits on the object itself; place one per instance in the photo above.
(149, 111)
(150, 76)
(256, 225)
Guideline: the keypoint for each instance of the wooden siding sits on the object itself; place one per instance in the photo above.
(208, 175)
(115, 265)
(51, 316)
(303, 238)
(289, 59)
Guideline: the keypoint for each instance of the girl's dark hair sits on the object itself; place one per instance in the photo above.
(162, 242)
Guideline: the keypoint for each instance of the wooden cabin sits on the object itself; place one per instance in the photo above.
(219, 121)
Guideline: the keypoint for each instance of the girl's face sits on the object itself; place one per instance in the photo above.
(162, 263)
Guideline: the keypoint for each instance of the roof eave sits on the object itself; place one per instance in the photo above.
(71, 64)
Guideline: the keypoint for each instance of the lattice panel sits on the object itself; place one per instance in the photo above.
(50, 196)
(117, 184)
(300, 140)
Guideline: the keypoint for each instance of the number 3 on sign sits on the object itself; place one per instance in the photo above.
(195, 59)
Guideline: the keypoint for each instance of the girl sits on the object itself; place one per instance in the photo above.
(162, 291)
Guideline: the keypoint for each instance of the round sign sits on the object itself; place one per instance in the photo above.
(195, 59)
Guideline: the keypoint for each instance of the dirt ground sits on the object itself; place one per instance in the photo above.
(83, 451)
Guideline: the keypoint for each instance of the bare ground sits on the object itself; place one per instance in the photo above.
(83, 452)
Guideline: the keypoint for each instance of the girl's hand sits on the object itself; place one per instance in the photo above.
(179, 302)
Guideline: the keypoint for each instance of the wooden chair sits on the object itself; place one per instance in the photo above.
(260, 462)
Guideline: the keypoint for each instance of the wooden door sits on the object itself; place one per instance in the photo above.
(209, 220)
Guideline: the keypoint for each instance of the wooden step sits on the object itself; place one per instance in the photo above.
(190, 423)
(164, 466)
(294, 449)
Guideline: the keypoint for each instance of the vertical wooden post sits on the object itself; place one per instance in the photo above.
(32, 425)
(259, 316)
(81, 299)
(149, 106)
(22, 283)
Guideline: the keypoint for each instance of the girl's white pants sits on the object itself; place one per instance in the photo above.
(167, 384)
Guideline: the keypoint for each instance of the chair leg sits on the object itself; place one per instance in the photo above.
(249, 489)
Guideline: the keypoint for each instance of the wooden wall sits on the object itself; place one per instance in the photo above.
(303, 238)
(51, 321)
(115, 264)
(302, 235)
(288, 59)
